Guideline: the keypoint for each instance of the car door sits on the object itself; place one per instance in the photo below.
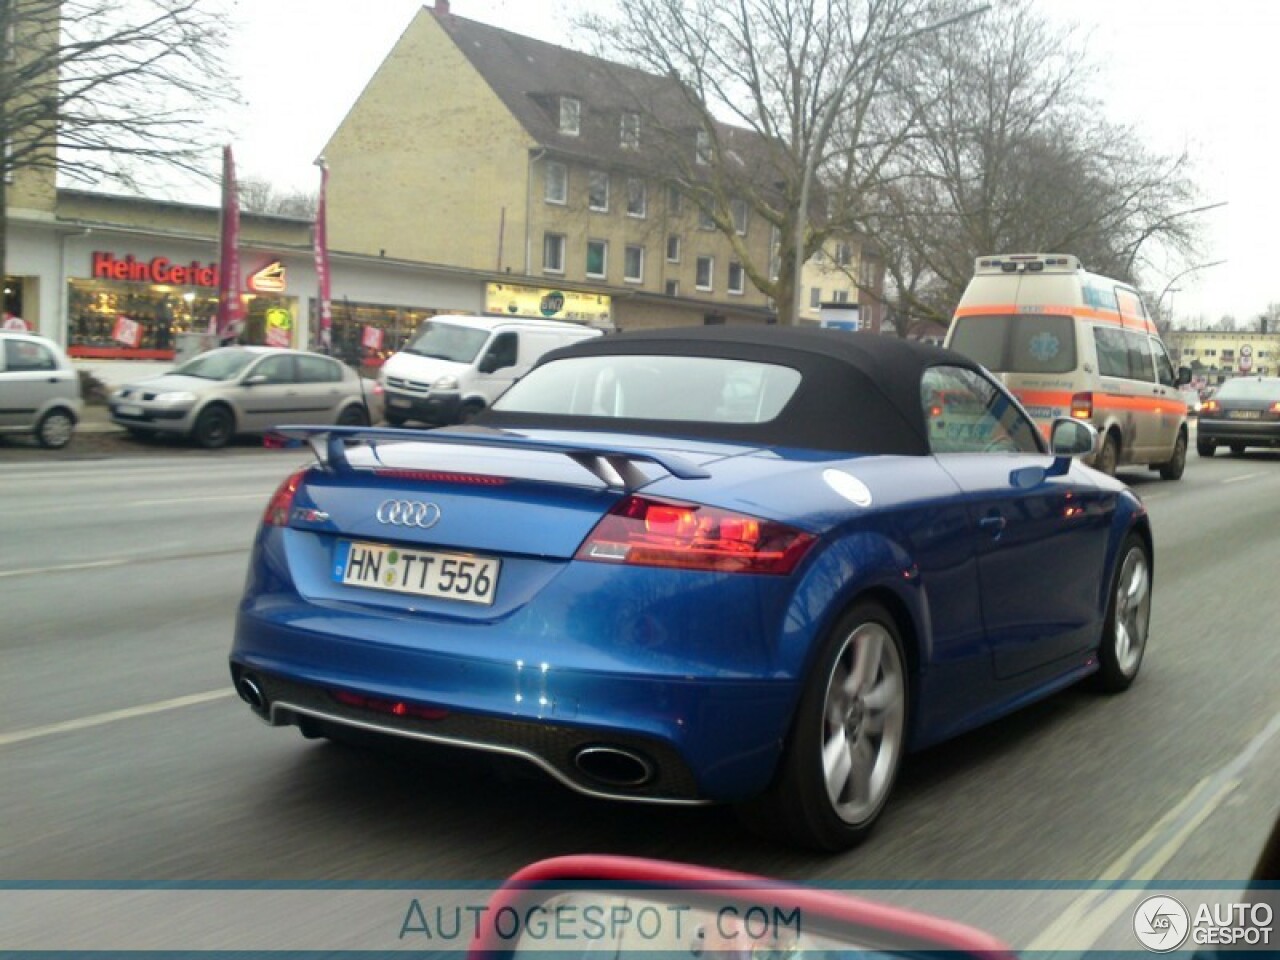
(1171, 407)
(1040, 544)
(320, 390)
(267, 393)
(30, 376)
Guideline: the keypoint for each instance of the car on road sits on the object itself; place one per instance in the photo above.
(39, 389)
(1243, 413)
(709, 565)
(237, 390)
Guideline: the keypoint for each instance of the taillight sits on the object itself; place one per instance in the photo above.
(1082, 406)
(662, 533)
(281, 503)
(1275, 407)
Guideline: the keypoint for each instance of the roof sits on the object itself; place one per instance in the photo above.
(859, 392)
(530, 76)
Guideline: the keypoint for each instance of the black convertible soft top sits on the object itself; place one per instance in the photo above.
(859, 392)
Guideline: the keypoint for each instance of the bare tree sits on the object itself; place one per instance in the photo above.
(261, 196)
(776, 104)
(108, 91)
(1015, 155)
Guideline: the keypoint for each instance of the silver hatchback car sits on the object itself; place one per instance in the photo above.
(39, 389)
(233, 390)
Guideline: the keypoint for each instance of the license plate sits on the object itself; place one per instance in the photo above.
(1245, 414)
(423, 573)
(129, 410)
(399, 401)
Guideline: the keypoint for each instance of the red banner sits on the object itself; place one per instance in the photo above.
(371, 339)
(128, 332)
(322, 266)
(230, 320)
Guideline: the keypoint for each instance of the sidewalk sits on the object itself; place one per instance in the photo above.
(95, 419)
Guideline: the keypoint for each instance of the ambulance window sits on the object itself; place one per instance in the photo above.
(1022, 343)
(1164, 368)
(1113, 353)
(1141, 362)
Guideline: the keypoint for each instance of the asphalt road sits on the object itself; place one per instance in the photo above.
(126, 757)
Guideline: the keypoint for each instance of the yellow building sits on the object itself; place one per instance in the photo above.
(1216, 355)
(484, 150)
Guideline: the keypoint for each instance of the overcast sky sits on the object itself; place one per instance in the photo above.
(1195, 75)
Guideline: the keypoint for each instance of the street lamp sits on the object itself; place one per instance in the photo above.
(1169, 288)
(821, 130)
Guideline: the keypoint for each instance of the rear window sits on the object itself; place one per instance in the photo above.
(639, 387)
(1021, 343)
(1250, 389)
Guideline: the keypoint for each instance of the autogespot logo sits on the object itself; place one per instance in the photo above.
(1161, 924)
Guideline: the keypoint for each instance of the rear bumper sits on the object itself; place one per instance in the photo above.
(703, 738)
(1251, 432)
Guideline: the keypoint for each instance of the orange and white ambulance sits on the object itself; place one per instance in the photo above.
(1067, 342)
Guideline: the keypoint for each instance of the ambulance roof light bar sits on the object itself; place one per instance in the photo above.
(1027, 263)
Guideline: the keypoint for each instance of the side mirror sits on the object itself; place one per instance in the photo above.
(1184, 376)
(1070, 438)
(488, 363)
(607, 907)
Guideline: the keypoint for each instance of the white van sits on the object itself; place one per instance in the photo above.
(1071, 343)
(454, 366)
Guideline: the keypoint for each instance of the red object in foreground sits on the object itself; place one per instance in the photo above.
(863, 924)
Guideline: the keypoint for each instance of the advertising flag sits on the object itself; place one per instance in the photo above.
(322, 266)
(230, 319)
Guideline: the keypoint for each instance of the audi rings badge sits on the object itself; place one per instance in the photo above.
(408, 513)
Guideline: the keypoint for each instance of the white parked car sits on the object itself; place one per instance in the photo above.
(39, 389)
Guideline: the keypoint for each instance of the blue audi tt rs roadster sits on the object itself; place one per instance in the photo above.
(718, 565)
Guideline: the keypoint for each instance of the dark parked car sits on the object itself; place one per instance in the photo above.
(1244, 412)
(697, 566)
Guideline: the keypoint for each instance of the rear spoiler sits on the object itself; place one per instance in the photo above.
(613, 466)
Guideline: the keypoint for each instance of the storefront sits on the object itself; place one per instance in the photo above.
(132, 307)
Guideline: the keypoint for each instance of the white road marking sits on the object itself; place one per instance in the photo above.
(65, 568)
(102, 719)
(1094, 912)
(1243, 476)
(101, 506)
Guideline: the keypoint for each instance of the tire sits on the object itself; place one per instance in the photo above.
(1125, 631)
(214, 427)
(470, 410)
(353, 416)
(1206, 448)
(55, 429)
(847, 738)
(1173, 469)
(1108, 456)
(1237, 449)
(142, 435)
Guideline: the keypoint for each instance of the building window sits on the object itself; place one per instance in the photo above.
(637, 198)
(633, 264)
(598, 191)
(557, 190)
(739, 210)
(570, 116)
(844, 254)
(629, 134)
(675, 200)
(702, 148)
(673, 288)
(841, 296)
(705, 220)
(815, 297)
(597, 258)
(705, 271)
(736, 275)
(553, 252)
(673, 248)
